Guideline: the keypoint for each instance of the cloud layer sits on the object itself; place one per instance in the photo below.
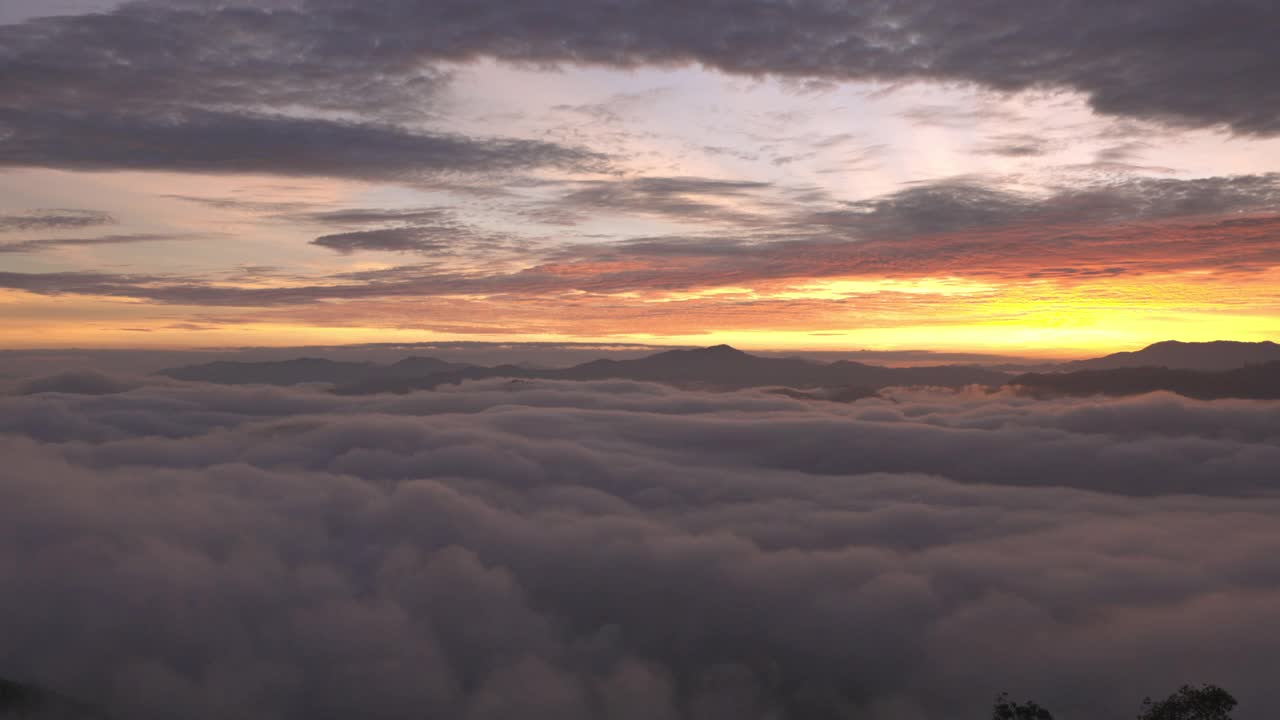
(949, 229)
(1184, 62)
(623, 550)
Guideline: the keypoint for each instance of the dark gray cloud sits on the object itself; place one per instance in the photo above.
(88, 283)
(54, 219)
(396, 239)
(190, 291)
(958, 205)
(1158, 198)
(40, 245)
(619, 550)
(364, 216)
(930, 208)
(1184, 62)
(1124, 152)
(232, 88)
(191, 85)
(214, 141)
(168, 55)
(252, 206)
(433, 231)
(695, 199)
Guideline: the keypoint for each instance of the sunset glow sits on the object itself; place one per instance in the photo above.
(670, 204)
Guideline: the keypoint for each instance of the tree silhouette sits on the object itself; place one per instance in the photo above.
(1209, 702)
(18, 698)
(1006, 709)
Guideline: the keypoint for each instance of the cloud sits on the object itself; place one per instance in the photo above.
(213, 141)
(931, 208)
(955, 228)
(958, 205)
(1124, 152)
(362, 216)
(396, 239)
(614, 109)
(241, 88)
(431, 231)
(31, 246)
(616, 549)
(693, 199)
(1154, 60)
(251, 206)
(54, 219)
(149, 55)
(1016, 145)
(80, 283)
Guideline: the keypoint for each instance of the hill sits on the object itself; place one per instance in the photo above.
(1206, 356)
(719, 367)
(1259, 382)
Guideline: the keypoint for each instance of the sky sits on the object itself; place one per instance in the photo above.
(986, 176)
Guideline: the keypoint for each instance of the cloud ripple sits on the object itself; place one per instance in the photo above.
(624, 550)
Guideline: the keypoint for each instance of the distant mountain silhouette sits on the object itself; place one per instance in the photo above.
(417, 366)
(1260, 382)
(1187, 369)
(1209, 356)
(718, 367)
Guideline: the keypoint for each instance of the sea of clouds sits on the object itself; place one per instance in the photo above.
(621, 550)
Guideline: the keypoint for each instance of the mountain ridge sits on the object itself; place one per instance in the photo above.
(1252, 382)
(1180, 355)
(725, 367)
(718, 366)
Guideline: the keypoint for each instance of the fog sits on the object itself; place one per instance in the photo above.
(539, 549)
